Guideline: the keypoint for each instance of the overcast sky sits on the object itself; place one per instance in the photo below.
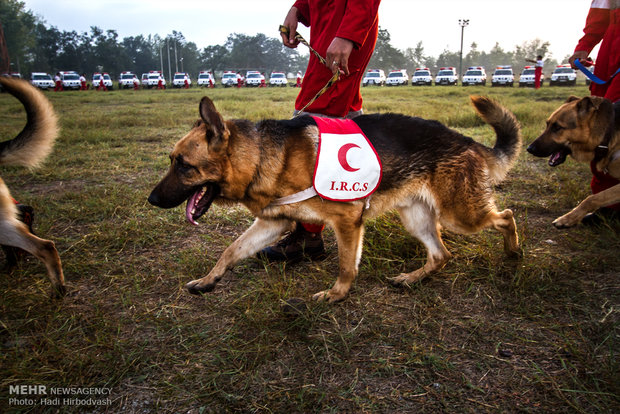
(435, 23)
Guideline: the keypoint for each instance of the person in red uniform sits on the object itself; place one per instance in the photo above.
(345, 33)
(83, 82)
(102, 84)
(538, 70)
(57, 83)
(602, 26)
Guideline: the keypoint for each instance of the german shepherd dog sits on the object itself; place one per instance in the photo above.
(29, 148)
(432, 175)
(588, 129)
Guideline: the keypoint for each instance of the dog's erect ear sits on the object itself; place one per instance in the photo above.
(589, 104)
(585, 105)
(217, 132)
(572, 98)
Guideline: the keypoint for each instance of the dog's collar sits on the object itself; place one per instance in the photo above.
(602, 150)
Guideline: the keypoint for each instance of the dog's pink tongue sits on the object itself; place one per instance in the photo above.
(191, 203)
(554, 158)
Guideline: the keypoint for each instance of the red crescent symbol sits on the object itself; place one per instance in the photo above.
(342, 157)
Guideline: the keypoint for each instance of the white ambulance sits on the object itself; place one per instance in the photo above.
(98, 77)
(563, 75)
(42, 80)
(205, 79)
(179, 80)
(528, 77)
(397, 78)
(154, 77)
(254, 78)
(475, 75)
(374, 77)
(447, 76)
(126, 80)
(70, 80)
(230, 78)
(278, 79)
(503, 76)
(422, 76)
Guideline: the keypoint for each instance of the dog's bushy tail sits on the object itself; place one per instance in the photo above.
(508, 131)
(34, 143)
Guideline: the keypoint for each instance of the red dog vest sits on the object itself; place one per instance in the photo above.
(347, 167)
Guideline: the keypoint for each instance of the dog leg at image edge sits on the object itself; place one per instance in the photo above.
(592, 203)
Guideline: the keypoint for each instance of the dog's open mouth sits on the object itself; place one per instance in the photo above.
(559, 157)
(198, 204)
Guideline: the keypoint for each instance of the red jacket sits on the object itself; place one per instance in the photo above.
(355, 20)
(603, 24)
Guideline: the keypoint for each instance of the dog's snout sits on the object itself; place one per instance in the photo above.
(154, 199)
(539, 148)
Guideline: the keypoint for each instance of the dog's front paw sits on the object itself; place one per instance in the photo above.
(329, 296)
(567, 220)
(407, 279)
(399, 281)
(197, 287)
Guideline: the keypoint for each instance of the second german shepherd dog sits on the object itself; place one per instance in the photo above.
(29, 148)
(432, 175)
(588, 129)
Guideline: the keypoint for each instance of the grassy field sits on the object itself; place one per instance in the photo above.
(487, 334)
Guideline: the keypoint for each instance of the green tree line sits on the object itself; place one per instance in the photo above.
(33, 46)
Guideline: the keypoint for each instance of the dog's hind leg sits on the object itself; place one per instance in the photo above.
(262, 233)
(504, 222)
(15, 233)
(349, 235)
(11, 257)
(421, 221)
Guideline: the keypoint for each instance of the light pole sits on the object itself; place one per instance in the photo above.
(463, 23)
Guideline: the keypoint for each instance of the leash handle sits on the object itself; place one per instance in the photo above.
(591, 75)
(285, 30)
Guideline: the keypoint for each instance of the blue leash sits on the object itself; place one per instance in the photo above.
(591, 75)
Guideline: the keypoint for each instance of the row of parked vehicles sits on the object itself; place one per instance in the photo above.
(475, 75)
(155, 79)
(253, 78)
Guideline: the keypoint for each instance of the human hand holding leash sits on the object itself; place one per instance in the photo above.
(581, 55)
(290, 21)
(338, 54)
